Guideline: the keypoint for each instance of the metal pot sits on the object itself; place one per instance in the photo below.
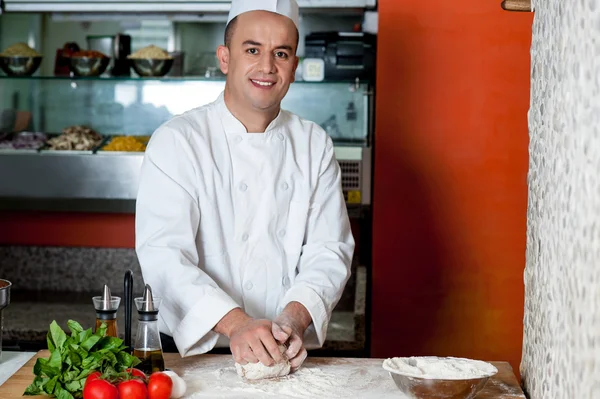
(4, 302)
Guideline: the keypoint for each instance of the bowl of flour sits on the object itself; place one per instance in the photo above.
(430, 377)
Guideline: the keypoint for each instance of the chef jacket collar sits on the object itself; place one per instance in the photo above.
(232, 125)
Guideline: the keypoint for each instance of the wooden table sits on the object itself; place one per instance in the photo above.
(213, 376)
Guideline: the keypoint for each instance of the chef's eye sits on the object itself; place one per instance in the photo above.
(252, 51)
(281, 54)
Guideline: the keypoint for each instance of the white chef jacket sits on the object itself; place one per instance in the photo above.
(226, 218)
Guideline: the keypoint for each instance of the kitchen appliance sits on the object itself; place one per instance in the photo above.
(103, 44)
(121, 49)
(106, 311)
(347, 55)
(4, 302)
(147, 345)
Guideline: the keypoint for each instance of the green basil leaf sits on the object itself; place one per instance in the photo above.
(127, 360)
(74, 386)
(82, 353)
(74, 359)
(74, 327)
(35, 388)
(55, 361)
(69, 376)
(91, 363)
(110, 358)
(61, 393)
(85, 335)
(50, 385)
(90, 342)
(109, 343)
(58, 335)
(37, 368)
(101, 331)
(51, 346)
(83, 374)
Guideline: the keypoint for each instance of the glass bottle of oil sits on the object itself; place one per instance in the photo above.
(147, 346)
(106, 311)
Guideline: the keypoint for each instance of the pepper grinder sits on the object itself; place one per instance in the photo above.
(128, 293)
(106, 311)
(147, 345)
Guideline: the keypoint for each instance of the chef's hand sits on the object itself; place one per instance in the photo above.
(250, 340)
(289, 328)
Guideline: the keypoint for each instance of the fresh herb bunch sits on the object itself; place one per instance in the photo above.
(72, 359)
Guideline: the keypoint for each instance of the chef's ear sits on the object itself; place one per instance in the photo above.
(223, 56)
(296, 61)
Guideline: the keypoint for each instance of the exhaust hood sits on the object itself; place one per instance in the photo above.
(158, 6)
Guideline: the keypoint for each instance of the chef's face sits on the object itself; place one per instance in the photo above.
(260, 59)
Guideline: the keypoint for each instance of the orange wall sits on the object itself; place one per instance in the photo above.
(450, 194)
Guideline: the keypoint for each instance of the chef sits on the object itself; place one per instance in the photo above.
(241, 223)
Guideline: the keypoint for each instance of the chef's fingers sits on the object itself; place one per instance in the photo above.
(299, 359)
(272, 347)
(260, 352)
(280, 333)
(295, 345)
(243, 354)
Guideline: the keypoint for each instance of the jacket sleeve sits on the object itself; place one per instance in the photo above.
(324, 266)
(166, 224)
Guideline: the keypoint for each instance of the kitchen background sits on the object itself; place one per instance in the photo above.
(57, 280)
(444, 255)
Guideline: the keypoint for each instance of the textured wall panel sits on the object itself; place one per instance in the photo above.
(561, 353)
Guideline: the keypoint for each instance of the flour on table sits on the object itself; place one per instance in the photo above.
(431, 367)
(339, 379)
(258, 371)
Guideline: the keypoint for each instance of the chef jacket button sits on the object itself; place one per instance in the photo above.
(286, 281)
(244, 237)
(238, 139)
(281, 233)
(248, 286)
(280, 136)
(285, 186)
(243, 187)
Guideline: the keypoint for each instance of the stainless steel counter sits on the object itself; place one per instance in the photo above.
(108, 183)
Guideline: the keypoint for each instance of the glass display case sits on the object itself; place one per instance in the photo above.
(95, 179)
(137, 106)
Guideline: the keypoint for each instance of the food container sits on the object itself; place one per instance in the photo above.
(22, 142)
(73, 140)
(449, 387)
(119, 145)
(88, 66)
(151, 67)
(20, 66)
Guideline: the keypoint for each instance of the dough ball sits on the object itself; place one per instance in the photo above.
(258, 371)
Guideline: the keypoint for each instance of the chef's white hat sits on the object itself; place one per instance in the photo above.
(288, 8)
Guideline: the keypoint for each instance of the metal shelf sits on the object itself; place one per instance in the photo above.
(160, 6)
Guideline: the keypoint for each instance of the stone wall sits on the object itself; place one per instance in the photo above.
(561, 353)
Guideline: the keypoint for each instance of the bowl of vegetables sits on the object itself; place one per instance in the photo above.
(151, 61)
(20, 60)
(88, 63)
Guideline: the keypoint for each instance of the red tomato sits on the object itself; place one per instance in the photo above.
(160, 386)
(133, 389)
(137, 373)
(92, 377)
(100, 389)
